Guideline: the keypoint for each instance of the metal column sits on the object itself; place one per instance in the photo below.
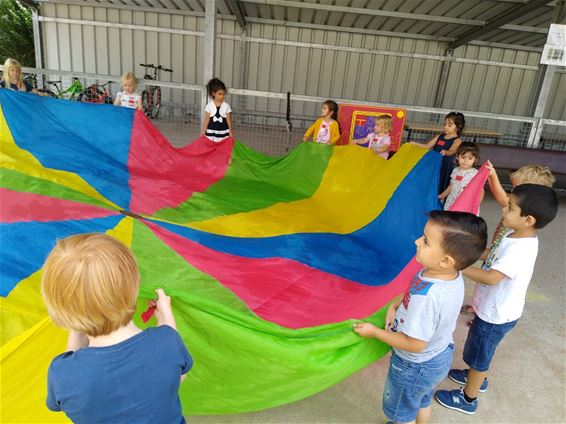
(443, 79)
(37, 46)
(209, 50)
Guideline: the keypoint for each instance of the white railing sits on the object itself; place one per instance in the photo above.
(265, 113)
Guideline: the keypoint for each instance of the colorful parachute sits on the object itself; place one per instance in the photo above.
(266, 259)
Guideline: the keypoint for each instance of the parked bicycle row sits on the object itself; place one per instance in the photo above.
(149, 101)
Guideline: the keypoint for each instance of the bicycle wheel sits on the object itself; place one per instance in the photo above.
(146, 102)
(156, 103)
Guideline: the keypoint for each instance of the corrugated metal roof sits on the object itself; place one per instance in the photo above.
(429, 18)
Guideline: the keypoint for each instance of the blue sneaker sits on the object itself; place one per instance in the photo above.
(454, 399)
(461, 377)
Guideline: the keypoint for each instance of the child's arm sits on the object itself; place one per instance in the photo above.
(452, 150)
(76, 341)
(397, 340)
(229, 121)
(163, 311)
(445, 193)
(491, 277)
(140, 105)
(205, 123)
(117, 100)
(495, 186)
(429, 145)
(361, 140)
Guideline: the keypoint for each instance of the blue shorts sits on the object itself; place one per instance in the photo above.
(482, 341)
(410, 385)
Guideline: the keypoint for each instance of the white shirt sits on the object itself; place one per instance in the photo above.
(323, 135)
(504, 302)
(429, 312)
(224, 109)
(129, 100)
(459, 179)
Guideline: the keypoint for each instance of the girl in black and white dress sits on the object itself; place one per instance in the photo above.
(217, 123)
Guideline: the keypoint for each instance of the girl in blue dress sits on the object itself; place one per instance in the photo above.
(447, 144)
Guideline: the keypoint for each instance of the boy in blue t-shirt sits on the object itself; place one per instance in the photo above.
(419, 326)
(112, 371)
(501, 288)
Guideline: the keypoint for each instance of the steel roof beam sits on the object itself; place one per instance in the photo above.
(497, 22)
(238, 11)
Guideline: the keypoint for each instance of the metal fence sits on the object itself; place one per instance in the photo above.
(274, 122)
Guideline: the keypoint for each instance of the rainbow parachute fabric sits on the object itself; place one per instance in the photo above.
(266, 259)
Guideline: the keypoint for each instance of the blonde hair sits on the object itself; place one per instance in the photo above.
(8, 66)
(533, 174)
(385, 121)
(90, 284)
(129, 76)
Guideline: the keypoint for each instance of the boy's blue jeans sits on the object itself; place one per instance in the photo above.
(482, 341)
(410, 385)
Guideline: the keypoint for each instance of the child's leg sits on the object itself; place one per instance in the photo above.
(423, 416)
(475, 380)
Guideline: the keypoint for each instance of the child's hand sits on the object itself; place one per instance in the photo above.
(491, 168)
(163, 311)
(443, 153)
(231, 134)
(365, 329)
(202, 133)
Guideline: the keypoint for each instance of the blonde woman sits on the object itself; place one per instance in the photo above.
(12, 77)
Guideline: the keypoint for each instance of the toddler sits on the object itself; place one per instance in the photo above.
(128, 96)
(468, 155)
(379, 140)
(325, 129)
(500, 291)
(112, 371)
(217, 123)
(419, 326)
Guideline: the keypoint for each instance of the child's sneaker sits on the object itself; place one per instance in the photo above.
(455, 400)
(461, 377)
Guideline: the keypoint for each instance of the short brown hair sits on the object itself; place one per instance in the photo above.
(464, 236)
(90, 284)
(533, 174)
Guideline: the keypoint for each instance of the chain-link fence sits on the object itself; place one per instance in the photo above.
(273, 123)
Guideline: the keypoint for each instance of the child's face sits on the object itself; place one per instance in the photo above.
(219, 95)
(466, 160)
(378, 127)
(15, 74)
(128, 86)
(325, 111)
(512, 215)
(430, 252)
(450, 126)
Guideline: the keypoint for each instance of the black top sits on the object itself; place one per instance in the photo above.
(27, 86)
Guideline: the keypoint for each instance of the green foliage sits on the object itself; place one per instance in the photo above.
(16, 33)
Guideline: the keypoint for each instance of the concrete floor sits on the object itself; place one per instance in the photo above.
(528, 376)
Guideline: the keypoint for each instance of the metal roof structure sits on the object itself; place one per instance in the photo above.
(521, 24)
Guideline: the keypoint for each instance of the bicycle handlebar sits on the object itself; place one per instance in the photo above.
(158, 67)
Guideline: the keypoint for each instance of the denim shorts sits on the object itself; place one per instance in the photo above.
(482, 341)
(410, 385)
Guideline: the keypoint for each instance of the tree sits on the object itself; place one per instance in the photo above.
(16, 33)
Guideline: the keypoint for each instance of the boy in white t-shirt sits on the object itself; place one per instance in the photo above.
(499, 296)
(419, 326)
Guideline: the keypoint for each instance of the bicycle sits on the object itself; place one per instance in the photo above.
(97, 93)
(151, 96)
(32, 80)
(76, 91)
